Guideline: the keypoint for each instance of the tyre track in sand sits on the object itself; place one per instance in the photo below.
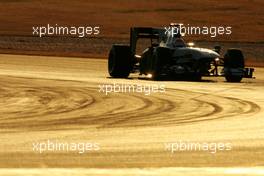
(67, 106)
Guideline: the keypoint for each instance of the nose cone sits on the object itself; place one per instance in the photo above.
(208, 53)
(196, 53)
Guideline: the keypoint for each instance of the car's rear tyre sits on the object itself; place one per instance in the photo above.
(160, 58)
(120, 61)
(233, 59)
(196, 77)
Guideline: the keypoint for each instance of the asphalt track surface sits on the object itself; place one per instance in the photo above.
(59, 99)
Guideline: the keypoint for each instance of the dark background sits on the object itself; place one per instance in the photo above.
(115, 17)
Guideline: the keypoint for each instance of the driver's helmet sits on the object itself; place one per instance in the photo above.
(178, 42)
(176, 26)
(175, 39)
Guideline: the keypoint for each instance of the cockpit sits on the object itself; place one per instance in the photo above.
(173, 38)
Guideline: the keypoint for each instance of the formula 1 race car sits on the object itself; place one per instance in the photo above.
(169, 57)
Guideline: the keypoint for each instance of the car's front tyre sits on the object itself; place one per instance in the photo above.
(234, 65)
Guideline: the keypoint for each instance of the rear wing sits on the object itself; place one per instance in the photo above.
(144, 32)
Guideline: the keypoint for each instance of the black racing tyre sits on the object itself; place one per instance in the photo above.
(161, 57)
(233, 59)
(232, 78)
(196, 77)
(120, 61)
